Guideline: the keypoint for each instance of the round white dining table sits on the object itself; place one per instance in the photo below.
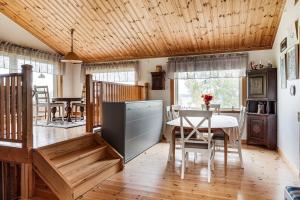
(228, 124)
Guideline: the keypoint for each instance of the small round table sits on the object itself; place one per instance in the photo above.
(68, 108)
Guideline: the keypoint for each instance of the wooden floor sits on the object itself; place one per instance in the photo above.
(150, 176)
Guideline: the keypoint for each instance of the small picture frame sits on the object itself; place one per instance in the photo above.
(283, 44)
(292, 62)
(283, 73)
(296, 1)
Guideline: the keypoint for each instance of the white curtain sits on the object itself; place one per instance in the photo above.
(12, 56)
(208, 66)
(122, 71)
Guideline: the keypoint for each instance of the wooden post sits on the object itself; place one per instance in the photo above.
(89, 103)
(146, 93)
(26, 181)
(26, 168)
(27, 107)
(172, 92)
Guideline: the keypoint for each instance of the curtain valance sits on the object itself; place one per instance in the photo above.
(112, 67)
(208, 66)
(42, 61)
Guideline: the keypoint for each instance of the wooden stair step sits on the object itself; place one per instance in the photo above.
(76, 155)
(83, 174)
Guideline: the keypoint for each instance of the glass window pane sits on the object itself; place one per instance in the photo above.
(226, 91)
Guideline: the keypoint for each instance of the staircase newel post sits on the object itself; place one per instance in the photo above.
(27, 138)
(27, 107)
(89, 103)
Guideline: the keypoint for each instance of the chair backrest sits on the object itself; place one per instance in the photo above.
(175, 111)
(185, 118)
(242, 120)
(41, 94)
(169, 115)
(215, 107)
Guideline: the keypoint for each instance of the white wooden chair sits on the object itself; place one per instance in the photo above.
(199, 144)
(42, 100)
(215, 107)
(218, 138)
(175, 111)
(169, 115)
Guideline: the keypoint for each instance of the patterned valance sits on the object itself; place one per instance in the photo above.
(117, 69)
(42, 61)
(208, 66)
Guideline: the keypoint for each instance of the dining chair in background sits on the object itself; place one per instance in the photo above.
(218, 137)
(215, 107)
(196, 141)
(42, 100)
(81, 105)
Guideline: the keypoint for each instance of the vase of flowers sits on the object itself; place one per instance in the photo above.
(207, 98)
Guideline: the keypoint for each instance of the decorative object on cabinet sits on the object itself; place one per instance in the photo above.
(158, 68)
(283, 44)
(158, 80)
(293, 90)
(262, 108)
(283, 71)
(292, 62)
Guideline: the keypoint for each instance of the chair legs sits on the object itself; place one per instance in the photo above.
(49, 115)
(240, 154)
(183, 164)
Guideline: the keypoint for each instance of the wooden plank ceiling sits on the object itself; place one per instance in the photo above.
(130, 29)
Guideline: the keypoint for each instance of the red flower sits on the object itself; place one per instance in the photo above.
(207, 98)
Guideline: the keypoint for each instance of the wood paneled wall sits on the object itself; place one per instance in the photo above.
(98, 92)
(130, 29)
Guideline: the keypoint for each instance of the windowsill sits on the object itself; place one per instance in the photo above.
(229, 111)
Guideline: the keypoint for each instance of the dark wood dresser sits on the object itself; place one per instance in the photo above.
(262, 107)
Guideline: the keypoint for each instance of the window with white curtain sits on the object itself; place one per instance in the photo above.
(45, 65)
(4, 64)
(127, 77)
(216, 74)
(118, 72)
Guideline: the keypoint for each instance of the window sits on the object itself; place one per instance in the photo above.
(4, 64)
(42, 79)
(127, 77)
(226, 91)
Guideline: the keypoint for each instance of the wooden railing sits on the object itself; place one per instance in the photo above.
(16, 107)
(98, 92)
(16, 133)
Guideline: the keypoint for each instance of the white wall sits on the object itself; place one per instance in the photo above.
(288, 106)
(12, 32)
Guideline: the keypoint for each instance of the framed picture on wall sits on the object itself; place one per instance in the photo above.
(292, 62)
(283, 71)
(283, 45)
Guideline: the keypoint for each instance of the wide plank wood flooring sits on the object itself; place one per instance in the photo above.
(150, 176)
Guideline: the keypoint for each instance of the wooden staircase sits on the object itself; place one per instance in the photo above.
(73, 167)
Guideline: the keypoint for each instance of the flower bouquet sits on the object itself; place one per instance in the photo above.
(207, 98)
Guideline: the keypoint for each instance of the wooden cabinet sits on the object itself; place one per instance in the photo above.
(262, 108)
(158, 80)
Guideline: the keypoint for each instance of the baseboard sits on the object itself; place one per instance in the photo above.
(244, 141)
(290, 165)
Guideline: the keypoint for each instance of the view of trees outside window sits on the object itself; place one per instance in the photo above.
(226, 91)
